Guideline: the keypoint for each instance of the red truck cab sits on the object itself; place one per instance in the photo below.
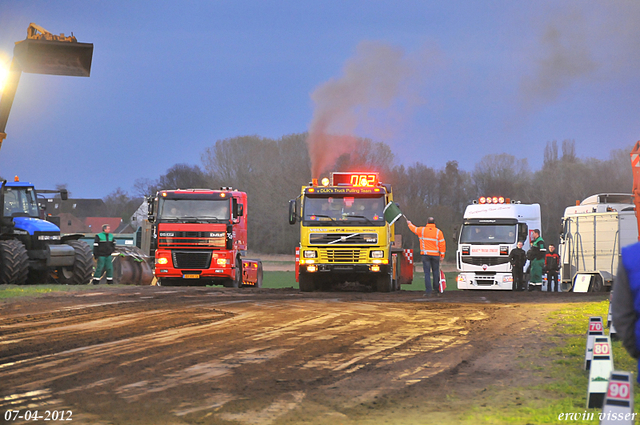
(199, 236)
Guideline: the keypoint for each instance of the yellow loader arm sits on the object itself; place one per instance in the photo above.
(43, 53)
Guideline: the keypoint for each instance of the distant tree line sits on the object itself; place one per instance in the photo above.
(272, 172)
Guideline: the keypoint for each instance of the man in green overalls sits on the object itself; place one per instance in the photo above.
(103, 246)
(536, 256)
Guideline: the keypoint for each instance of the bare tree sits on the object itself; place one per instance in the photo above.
(503, 175)
(119, 204)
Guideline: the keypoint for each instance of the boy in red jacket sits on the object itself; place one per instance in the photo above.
(551, 266)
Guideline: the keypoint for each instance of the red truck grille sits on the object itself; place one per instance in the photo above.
(216, 239)
(191, 259)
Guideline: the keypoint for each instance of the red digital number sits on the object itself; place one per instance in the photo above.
(363, 180)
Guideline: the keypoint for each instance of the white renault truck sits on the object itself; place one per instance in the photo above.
(491, 228)
(593, 233)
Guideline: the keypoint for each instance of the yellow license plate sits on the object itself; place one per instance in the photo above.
(191, 276)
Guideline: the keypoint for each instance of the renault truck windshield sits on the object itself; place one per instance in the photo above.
(488, 234)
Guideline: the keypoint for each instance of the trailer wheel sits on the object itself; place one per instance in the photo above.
(596, 285)
(306, 282)
(259, 279)
(14, 263)
(384, 283)
(82, 269)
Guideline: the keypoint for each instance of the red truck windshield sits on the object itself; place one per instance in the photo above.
(189, 209)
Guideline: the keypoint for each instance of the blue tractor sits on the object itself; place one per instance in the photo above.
(32, 250)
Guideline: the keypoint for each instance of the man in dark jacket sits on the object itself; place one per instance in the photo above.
(103, 246)
(551, 267)
(517, 258)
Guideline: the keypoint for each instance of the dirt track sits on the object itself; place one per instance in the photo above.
(158, 355)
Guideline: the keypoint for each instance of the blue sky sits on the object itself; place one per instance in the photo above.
(170, 78)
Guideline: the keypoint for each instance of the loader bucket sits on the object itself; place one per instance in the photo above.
(54, 57)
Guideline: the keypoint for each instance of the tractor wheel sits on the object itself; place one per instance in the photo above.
(82, 269)
(385, 283)
(14, 263)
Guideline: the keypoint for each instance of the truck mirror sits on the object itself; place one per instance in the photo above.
(150, 206)
(455, 233)
(64, 194)
(238, 209)
(292, 211)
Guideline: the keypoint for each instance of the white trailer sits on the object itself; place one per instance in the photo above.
(489, 232)
(593, 233)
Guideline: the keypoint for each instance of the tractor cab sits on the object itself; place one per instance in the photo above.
(19, 200)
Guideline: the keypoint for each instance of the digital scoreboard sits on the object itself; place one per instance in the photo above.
(354, 179)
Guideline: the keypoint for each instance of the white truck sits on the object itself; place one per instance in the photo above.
(491, 228)
(593, 232)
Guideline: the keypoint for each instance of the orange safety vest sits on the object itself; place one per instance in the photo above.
(431, 239)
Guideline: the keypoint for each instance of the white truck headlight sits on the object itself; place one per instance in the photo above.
(309, 254)
(377, 254)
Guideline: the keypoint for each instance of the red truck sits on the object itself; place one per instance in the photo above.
(199, 236)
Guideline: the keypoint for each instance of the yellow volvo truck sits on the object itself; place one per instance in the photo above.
(344, 236)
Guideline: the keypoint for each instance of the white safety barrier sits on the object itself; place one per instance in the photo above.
(595, 329)
(601, 367)
(618, 403)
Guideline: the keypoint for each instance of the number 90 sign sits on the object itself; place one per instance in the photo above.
(618, 390)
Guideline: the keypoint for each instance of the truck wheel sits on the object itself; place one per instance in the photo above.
(385, 283)
(82, 269)
(237, 282)
(306, 282)
(14, 263)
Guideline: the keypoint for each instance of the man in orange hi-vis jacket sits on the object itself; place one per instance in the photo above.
(432, 248)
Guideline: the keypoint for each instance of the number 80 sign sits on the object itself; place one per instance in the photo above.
(601, 349)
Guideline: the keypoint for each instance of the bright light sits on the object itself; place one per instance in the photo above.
(325, 181)
(5, 64)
